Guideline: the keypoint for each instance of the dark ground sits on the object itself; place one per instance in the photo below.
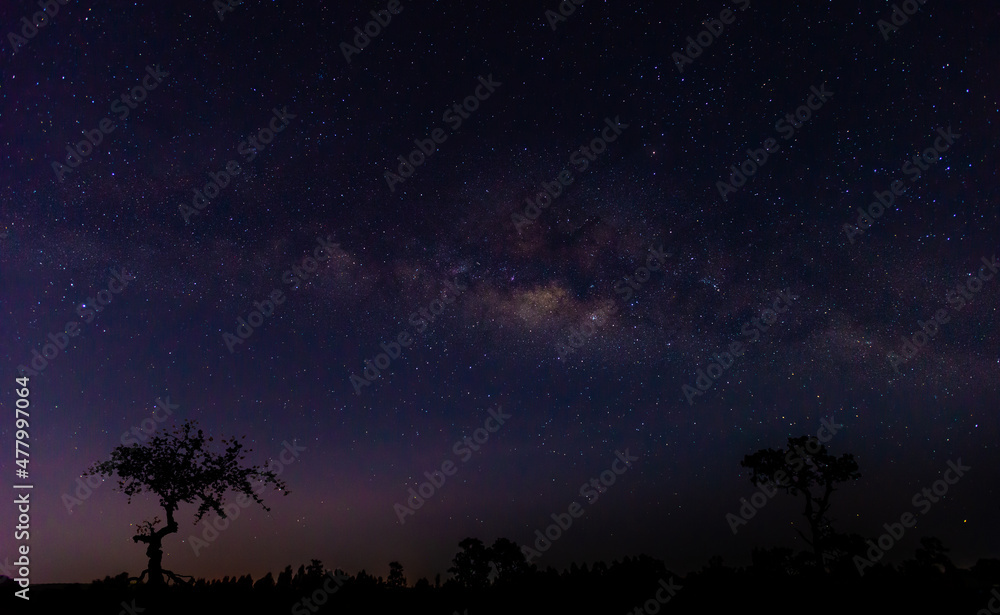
(623, 587)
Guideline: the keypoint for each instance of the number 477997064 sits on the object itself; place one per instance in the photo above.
(21, 423)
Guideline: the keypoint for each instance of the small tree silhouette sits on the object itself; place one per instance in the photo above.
(396, 578)
(805, 468)
(179, 469)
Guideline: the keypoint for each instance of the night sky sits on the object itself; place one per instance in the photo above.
(537, 308)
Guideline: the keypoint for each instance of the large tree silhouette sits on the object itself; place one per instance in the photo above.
(507, 562)
(805, 468)
(471, 565)
(179, 467)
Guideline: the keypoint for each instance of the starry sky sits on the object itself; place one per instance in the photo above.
(554, 320)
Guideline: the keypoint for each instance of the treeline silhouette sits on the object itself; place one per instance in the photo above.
(497, 579)
(838, 573)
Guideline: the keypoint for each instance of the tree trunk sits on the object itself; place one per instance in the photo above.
(155, 568)
(817, 544)
(155, 549)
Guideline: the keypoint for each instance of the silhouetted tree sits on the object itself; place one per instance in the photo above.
(314, 574)
(508, 559)
(285, 579)
(299, 581)
(805, 468)
(265, 584)
(396, 578)
(471, 565)
(179, 468)
(245, 583)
